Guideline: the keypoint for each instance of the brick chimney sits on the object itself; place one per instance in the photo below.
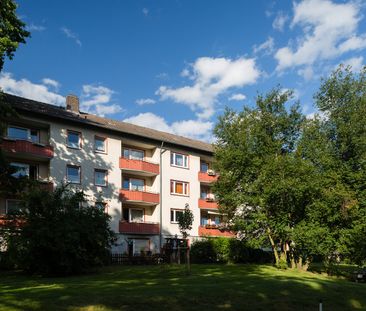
(72, 103)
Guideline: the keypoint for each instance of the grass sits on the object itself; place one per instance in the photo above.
(209, 287)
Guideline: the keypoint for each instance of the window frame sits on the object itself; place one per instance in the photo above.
(105, 178)
(100, 137)
(138, 209)
(129, 153)
(80, 139)
(173, 159)
(174, 182)
(129, 183)
(28, 130)
(208, 166)
(174, 211)
(67, 174)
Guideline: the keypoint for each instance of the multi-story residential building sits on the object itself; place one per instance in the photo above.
(143, 178)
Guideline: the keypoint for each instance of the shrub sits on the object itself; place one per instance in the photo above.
(224, 250)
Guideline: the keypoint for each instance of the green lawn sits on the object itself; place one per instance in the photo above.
(209, 287)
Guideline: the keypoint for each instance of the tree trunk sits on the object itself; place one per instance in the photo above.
(188, 259)
(274, 247)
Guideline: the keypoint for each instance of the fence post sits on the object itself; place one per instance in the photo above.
(320, 305)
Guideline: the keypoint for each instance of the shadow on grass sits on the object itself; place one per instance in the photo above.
(214, 287)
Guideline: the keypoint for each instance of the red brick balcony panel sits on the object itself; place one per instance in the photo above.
(27, 147)
(138, 227)
(138, 165)
(206, 178)
(139, 196)
(207, 204)
(214, 232)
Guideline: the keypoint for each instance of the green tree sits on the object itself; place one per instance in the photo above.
(12, 30)
(265, 185)
(185, 222)
(336, 145)
(59, 233)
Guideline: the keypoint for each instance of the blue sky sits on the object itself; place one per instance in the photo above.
(175, 65)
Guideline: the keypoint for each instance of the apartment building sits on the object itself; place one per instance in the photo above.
(141, 177)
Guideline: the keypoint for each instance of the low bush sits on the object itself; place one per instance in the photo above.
(224, 250)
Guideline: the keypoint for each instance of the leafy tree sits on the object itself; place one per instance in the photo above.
(336, 145)
(12, 30)
(185, 222)
(265, 185)
(59, 234)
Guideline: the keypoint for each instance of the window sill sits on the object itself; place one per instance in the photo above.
(180, 195)
(75, 148)
(177, 166)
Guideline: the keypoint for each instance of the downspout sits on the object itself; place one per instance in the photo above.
(161, 198)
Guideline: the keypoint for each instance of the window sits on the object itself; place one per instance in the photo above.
(73, 174)
(136, 215)
(175, 214)
(179, 187)
(133, 154)
(100, 144)
(180, 160)
(25, 170)
(204, 167)
(140, 246)
(23, 133)
(13, 206)
(204, 192)
(133, 184)
(73, 139)
(100, 177)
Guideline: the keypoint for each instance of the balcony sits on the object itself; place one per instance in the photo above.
(27, 149)
(206, 178)
(139, 167)
(11, 222)
(48, 186)
(138, 227)
(139, 197)
(207, 204)
(214, 231)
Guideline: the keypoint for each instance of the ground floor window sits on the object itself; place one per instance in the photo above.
(13, 206)
(139, 247)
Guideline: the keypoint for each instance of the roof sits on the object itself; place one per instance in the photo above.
(47, 110)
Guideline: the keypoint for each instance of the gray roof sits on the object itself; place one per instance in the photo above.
(47, 110)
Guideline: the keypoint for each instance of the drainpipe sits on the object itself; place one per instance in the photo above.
(161, 197)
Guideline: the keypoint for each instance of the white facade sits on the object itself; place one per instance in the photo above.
(121, 210)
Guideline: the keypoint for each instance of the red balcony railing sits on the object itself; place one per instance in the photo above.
(211, 231)
(207, 203)
(138, 227)
(139, 165)
(139, 196)
(11, 222)
(204, 177)
(27, 147)
(46, 186)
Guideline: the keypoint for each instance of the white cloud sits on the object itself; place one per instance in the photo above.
(355, 62)
(330, 29)
(267, 47)
(71, 35)
(32, 27)
(145, 101)
(145, 11)
(96, 100)
(185, 73)
(237, 96)
(27, 89)
(195, 129)
(51, 82)
(280, 21)
(211, 77)
(307, 73)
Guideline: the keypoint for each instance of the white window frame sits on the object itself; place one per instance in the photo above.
(130, 215)
(173, 160)
(130, 184)
(79, 142)
(28, 130)
(67, 174)
(7, 203)
(129, 153)
(105, 177)
(97, 137)
(185, 187)
(175, 210)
